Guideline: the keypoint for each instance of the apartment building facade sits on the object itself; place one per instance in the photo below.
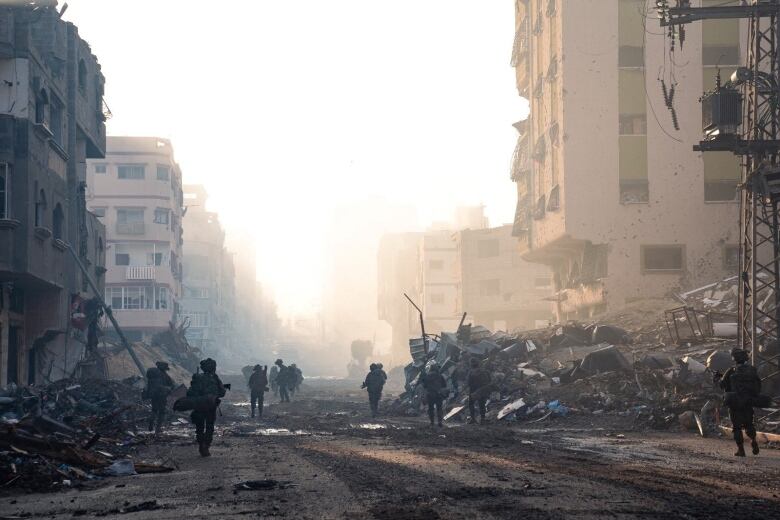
(51, 122)
(209, 277)
(137, 192)
(497, 288)
(610, 194)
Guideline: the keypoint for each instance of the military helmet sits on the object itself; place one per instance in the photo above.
(739, 355)
(372, 366)
(162, 365)
(380, 366)
(279, 362)
(208, 365)
(258, 368)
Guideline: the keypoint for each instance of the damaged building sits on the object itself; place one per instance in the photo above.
(51, 121)
(609, 194)
(137, 193)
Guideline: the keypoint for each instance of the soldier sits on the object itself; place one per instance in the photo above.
(158, 386)
(742, 386)
(283, 381)
(272, 378)
(374, 383)
(258, 386)
(296, 378)
(479, 388)
(435, 392)
(208, 388)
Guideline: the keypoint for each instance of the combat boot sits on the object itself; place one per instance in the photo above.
(203, 449)
(740, 451)
(754, 445)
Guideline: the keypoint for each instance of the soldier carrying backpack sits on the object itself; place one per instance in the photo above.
(743, 391)
(158, 385)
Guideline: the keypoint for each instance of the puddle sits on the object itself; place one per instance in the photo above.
(279, 432)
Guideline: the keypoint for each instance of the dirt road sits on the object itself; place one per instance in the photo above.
(332, 461)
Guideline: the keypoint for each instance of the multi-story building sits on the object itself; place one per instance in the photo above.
(137, 192)
(51, 121)
(439, 281)
(610, 195)
(208, 284)
(497, 288)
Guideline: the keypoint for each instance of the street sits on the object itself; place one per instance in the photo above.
(330, 460)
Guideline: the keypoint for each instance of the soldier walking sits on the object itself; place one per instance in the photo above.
(742, 386)
(283, 380)
(374, 383)
(479, 388)
(158, 386)
(258, 386)
(435, 391)
(208, 389)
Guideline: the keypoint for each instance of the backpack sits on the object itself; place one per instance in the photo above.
(745, 380)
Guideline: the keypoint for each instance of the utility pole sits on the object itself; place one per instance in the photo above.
(741, 116)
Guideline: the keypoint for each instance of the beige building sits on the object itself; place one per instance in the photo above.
(497, 288)
(610, 195)
(137, 193)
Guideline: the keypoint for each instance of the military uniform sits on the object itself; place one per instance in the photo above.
(258, 384)
(209, 387)
(742, 386)
(479, 389)
(374, 383)
(284, 380)
(158, 386)
(435, 388)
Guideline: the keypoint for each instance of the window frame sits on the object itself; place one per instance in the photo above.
(131, 167)
(643, 259)
(101, 168)
(158, 212)
(167, 170)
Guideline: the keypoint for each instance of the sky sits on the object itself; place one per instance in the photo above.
(288, 109)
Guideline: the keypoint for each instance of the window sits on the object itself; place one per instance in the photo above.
(435, 265)
(632, 130)
(40, 209)
(163, 173)
(82, 76)
(99, 212)
(136, 298)
(662, 258)
(57, 130)
(130, 221)
(100, 168)
(122, 258)
(722, 172)
(114, 297)
(42, 108)
(161, 216)
(200, 293)
(161, 298)
(5, 192)
(437, 299)
(731, 257)
(131, 171)
(198, 319)
(489, 287)
(58, 219)
(720, 38)
(631, 30)
(487, 248)
(154, 258)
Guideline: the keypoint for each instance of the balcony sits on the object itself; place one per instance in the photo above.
(130, 228)
(521, 159)
(141, 272)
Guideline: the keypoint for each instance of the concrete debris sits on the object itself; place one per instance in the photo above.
(69, 432)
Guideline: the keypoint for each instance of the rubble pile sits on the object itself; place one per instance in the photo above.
(593, 369)
(69, 432)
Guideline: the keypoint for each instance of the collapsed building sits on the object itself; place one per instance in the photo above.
(52, 120)
(609, 194)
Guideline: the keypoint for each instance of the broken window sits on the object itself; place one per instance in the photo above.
(58, 219)
(662, 258)
(82, 76)
(722, 172)
(487, 248)
(161, 215)
(163, 173)
(40, 209)
(42, 108)
(5, 192)
(489, 287)
(594, 262)
(56, 118)
(131, 171)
